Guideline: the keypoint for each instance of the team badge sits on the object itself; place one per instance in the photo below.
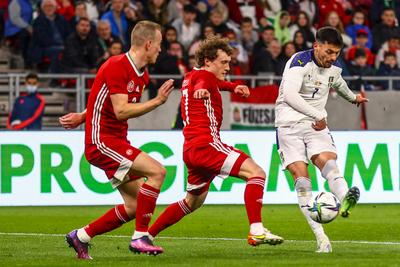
(130, 87)
(129, 152)
(330, 81)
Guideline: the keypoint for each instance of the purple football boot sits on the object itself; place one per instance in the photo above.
(81, 248)
(144, 245)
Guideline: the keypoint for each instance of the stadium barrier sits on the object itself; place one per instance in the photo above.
(381, 111)
(49, 168)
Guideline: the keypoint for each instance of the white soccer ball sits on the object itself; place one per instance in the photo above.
(324, 207)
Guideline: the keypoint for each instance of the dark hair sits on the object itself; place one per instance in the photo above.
(267, 28)
(83, 19)
(209, 48)
(247, 19)
(115, 42)
(31, 75)
(169, 28)
(360, 52)
(80, 3)
(175, 42)
(389, 54)
(189, 8)
(388, 9)
(329, 35)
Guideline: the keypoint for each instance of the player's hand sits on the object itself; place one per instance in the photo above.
(201, 94)
(72, 120)
(319, 125)
(242, 90)
(165, 90)
(360, 99)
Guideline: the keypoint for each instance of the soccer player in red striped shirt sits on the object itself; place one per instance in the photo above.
(204, 154)
(113, 99)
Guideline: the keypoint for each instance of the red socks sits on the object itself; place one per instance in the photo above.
(146, 203)
(171, 215)
(253, 198)
(111, 220)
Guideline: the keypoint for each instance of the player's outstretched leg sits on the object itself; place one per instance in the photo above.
(304, 195)
(112, 219)
(170, 216)
(349, 201)
(338, 186)
(81, 248)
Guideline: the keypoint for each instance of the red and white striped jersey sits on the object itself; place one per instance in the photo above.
(202, 118)
(118, 75)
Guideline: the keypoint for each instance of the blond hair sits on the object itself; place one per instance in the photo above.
(143, 31)
(209, 47)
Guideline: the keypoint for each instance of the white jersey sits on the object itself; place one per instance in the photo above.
(305, 88)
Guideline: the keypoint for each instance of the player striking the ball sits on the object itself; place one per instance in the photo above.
(302, 132)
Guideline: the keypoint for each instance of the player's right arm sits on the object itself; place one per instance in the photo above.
(290, 87)
(124, 110)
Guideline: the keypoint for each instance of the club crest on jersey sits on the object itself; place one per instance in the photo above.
(131, 86)
(330, 81)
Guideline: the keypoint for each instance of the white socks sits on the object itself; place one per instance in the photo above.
(257, 228)
(337, 184)
(83, 236)
(138, 234)
(304, 194)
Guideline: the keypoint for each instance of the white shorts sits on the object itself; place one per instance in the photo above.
(300, 142)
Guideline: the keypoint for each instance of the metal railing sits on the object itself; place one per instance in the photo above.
(15, 81)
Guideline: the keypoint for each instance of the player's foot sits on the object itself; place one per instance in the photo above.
(266, 238)
(144, 245)
(349, 201)
(81, 248)
(324, 245)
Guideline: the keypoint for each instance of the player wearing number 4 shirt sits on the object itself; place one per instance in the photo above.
(204, 154)
(113, 99)
(301, 121)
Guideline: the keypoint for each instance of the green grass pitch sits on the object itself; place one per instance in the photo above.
(212, 236)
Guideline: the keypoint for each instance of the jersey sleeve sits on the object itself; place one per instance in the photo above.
(226, 86)
(291, 85)
(343, 90)
(203, 81)
(115, 78)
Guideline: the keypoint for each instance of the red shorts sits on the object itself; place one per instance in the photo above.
(204, 162)
(114, 157)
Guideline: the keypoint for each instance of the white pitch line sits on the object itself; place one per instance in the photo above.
(213, 238)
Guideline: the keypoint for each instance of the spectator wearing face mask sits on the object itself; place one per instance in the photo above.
(28, 108)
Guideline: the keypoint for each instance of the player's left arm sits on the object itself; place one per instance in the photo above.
(239, 89)
(72, 120)
(344, 91)
(124, 110)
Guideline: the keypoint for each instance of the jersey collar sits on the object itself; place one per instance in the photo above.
(138, 72)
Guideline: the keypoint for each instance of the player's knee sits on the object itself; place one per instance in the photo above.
(159, 174)
(258, 172)
(130, 209)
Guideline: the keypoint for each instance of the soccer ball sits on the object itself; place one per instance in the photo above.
(324, 207)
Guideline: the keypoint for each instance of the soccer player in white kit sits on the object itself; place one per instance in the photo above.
(301, 121)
